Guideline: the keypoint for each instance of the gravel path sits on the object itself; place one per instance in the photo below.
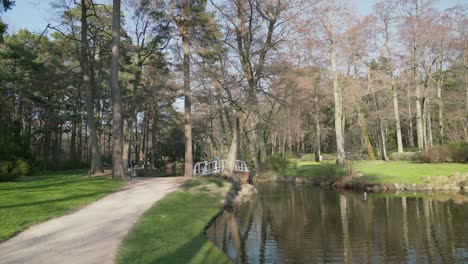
(91, 234)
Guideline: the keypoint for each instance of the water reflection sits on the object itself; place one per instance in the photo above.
(305, 224)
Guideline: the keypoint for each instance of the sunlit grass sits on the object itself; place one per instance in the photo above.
(171, 231)
(36, 199)
(406, 172)
(380, 171)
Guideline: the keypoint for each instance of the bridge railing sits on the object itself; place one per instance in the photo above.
(207, 168)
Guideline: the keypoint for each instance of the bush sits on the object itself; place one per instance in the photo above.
(277, 163)
(308, 157)
(435, 154)
(67, 165)
(12, 170)
(404, 156)
(350, 167)
(458, 152)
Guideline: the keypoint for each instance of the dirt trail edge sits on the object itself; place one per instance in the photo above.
(91, 234)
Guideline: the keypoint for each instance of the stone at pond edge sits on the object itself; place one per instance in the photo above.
(240, 194)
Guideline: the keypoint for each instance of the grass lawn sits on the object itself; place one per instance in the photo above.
(310, 169)
(171, 231)
(36, 199)
(406, 172)
(379, 171)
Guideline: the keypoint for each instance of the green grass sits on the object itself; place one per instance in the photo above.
(172, 230)
(379, 171)
(315, 170)
(36, 199)
(406, 172)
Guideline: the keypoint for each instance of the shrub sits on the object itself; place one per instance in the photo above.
(293, 162)
(404, 156)
(67, 165)
(276, 163)
(458, 152)
(435, 154)
(308, 157)
(12, 170)
(350, 167)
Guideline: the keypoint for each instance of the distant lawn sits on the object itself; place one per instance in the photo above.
(315, 170)
(379, 171)
(171, 231)
(36, 199)
(406, 172)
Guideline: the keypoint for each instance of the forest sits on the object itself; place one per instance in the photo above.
(156, 82)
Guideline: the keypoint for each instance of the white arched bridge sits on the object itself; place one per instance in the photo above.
(206, 168)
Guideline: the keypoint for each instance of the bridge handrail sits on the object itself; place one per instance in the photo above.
(207, 168)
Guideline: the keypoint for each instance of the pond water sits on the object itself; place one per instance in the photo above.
(289, 223)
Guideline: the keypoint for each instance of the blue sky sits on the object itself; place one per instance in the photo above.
(36, 14)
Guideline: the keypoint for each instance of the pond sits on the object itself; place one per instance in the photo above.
(287, 223)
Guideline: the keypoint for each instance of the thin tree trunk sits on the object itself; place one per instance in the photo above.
(429, 124)
(187, 102)
(381, 133)
(317, 128)
(93, 142)
(410, 119)
(117, 122)
(440, 113)
(365, 133)
(340, 152)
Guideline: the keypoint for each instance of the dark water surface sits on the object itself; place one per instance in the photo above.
(288, 223)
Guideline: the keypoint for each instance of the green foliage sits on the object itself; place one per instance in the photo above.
(12, 170)
(404, 156)
(172, 230)
(308, 157)
(277, 163)
(350, 167)
(325, 171)
(36, 199)
(67, 165)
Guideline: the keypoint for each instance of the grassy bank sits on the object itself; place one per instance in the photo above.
(172, 230)
(36, 199)
(406, 172)
(377, 172)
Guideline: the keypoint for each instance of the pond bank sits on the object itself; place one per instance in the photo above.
(377, 176)
(173, 230)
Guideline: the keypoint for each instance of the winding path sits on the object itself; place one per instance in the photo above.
(91, 234)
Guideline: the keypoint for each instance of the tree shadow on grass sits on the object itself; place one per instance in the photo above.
(60, 183)
(64, 199)
(196, 251)
(194, 183)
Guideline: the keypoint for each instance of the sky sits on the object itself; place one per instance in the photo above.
(34, 15)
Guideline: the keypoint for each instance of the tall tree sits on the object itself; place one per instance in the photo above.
(93, 139)
(117, 122)
(187, 15)
(183, 23)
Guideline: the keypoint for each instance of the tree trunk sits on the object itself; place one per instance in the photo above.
(93, 140)
(228, 171)
(317, 128)
(117, 122)
(429, 124)
(440, 113)
(396, 112)
(381, 133)
(187, 103)
(365, 133)
(340, 153)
